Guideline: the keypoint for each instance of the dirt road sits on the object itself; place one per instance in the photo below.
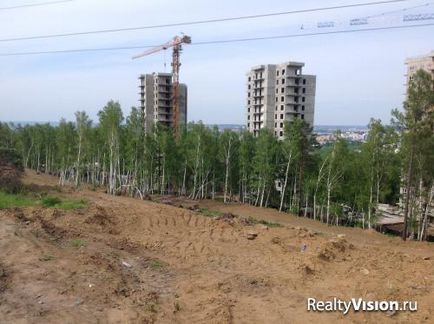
(123, 260)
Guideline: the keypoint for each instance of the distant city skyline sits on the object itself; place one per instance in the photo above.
(359, 75)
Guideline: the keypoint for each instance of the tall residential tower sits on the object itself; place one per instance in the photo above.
(424, 62)
(279, 93)
(156, 100)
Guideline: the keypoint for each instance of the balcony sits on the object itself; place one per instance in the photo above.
(164, 89)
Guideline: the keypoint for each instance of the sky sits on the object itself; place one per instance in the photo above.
(359, 75)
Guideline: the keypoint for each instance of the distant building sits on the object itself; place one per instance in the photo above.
(279, 93)
(156, 100)
(424, 62)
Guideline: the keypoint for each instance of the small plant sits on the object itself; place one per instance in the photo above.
(177, 307)
(51, 201)
(157, 264)
(151, 307)
(47, 257)
(77, 243)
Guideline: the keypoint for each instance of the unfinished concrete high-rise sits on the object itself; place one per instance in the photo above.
(277, 93)
(156, 100)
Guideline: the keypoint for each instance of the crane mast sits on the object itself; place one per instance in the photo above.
(176, 45)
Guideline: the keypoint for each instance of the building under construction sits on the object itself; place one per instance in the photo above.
(156, 100)
(279, 93)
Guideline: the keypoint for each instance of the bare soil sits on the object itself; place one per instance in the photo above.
(123, 260)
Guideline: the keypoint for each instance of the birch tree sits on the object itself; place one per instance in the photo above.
(110, 119)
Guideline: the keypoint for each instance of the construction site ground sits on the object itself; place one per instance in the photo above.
(125, 260)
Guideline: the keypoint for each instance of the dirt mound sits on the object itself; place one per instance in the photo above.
(334, 249)
(226, 217)
(100, 217)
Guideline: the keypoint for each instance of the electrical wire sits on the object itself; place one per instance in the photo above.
(197, 22)
(36, 4)
(235, 40)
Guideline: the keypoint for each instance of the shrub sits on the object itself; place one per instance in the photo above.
(11, 170)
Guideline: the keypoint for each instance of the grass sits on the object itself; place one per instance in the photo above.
(15, 200)
(215, 213)
(77, 243)
(264, 222)
(21, 200)
(50, 201)
(210, 213)
(66, 204)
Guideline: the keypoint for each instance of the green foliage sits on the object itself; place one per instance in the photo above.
(205, 163)
(10, 156)
(8, 200)
(51, 201)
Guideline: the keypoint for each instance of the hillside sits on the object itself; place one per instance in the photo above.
(123, 260)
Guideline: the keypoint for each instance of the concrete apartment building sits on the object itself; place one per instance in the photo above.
(156, 100)
(425, 62)
(277, 93)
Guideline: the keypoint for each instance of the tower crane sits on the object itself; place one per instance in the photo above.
(176, 44)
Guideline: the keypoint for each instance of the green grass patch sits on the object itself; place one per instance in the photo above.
(77, 243)
(51, 201)
(66, 204)
(210, 213)
(8, 200)
(72, 204)
(15, 200)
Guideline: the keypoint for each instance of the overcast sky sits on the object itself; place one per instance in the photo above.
(359, 75)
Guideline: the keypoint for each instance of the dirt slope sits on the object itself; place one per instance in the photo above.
(123, 260)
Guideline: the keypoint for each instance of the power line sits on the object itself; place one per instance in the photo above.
(235, 40)
(35, 4)
(197, 22)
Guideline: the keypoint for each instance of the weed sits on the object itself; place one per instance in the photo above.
(151, 307)
(177, 307)
(47, 257)
(157, 264)
(77, 243)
